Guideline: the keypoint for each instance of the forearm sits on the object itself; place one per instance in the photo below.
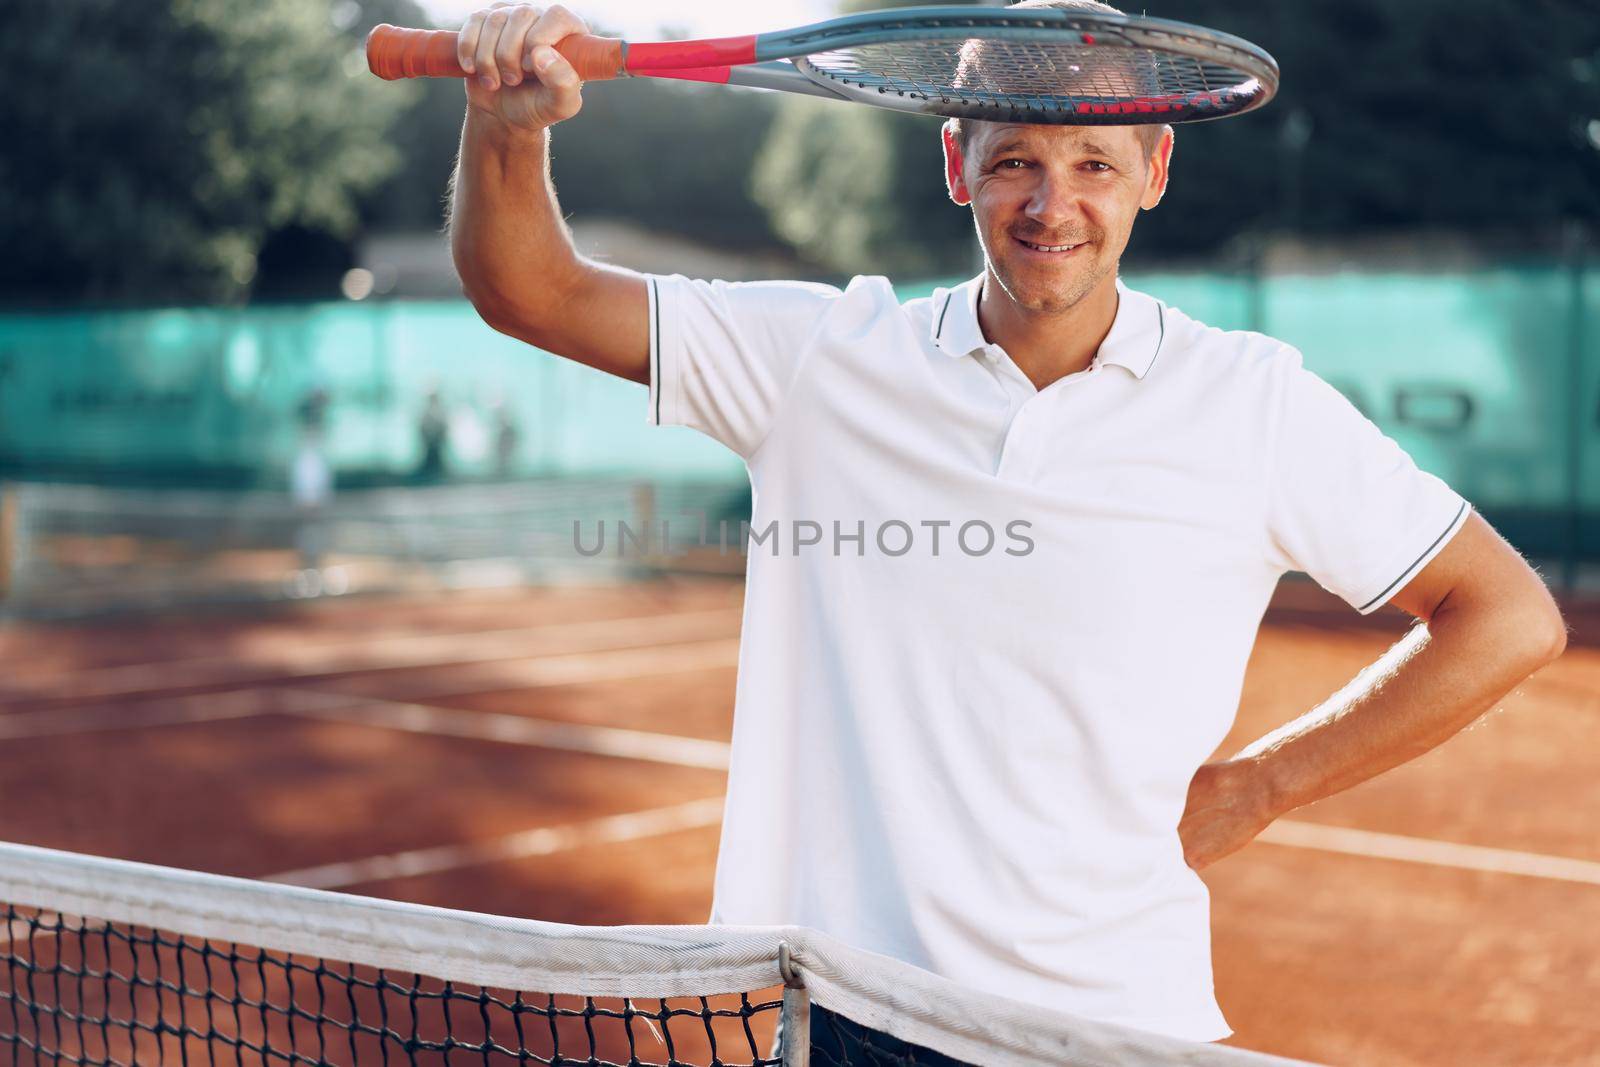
(1432, 684)
(511, 247)
(518, 264)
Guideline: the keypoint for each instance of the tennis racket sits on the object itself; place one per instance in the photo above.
(1031, 65)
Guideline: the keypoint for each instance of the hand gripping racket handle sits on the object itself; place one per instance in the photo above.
(393, 52)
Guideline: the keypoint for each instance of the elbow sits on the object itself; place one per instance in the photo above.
(499, 311)
(1557, 640)
(1542, 629)
(1547, 630)
(1528, 622)
(531, 310)
(491, 310)
(479, 286)
(475, 286)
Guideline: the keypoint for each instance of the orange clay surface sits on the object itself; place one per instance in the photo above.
(1445, 913)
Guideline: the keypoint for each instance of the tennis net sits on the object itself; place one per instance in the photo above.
(70, 550)
(110, 962)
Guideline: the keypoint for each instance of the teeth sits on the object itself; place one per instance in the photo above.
(1049, 248)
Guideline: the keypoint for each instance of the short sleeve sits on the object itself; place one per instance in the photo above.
(1347, 505)
(724, 354)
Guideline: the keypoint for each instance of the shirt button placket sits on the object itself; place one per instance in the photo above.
(1016, 454)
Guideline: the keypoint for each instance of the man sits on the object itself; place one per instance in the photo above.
(433, 431)
(311, 485)
(1017, 539)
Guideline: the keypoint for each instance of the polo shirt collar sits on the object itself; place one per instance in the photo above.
(954, 327)
(1134, 341)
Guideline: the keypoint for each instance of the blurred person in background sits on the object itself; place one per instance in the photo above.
(993, 764)
(433, 434)
(311, 488)
(507, 435)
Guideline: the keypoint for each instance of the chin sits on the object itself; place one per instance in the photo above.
(1044, 288)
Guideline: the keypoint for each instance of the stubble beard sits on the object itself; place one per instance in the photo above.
(1048, 298)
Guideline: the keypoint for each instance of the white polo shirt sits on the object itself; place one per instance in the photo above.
(993, 630)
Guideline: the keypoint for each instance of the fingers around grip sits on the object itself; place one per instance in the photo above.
(512, 46)
(501, 45)
(554, 25)
(467, 41)
(494, 23)
(563, 87)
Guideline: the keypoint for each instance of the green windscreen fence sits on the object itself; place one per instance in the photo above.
(208, 394)
(1490, 379)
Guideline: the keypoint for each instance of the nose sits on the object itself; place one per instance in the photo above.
(1054, 202)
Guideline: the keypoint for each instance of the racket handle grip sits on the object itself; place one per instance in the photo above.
(394, 52)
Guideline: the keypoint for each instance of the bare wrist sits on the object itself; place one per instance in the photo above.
(504, 135)
(1273, 784)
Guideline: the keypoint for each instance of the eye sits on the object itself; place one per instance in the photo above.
(1099, 166)
(1006, 164)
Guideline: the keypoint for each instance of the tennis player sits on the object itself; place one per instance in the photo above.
(1011, 546)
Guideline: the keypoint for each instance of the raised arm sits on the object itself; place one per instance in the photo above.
(512, 250)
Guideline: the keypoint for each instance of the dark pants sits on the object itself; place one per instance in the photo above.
(836, 1041)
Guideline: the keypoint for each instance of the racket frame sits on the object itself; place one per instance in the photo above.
(780, 61)
(784, 60)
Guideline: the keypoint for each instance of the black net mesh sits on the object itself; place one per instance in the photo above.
(76, 991)
(181, 967)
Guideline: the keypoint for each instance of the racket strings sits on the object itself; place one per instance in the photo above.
(1019, 75)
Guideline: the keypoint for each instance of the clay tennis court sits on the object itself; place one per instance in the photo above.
(558, 754)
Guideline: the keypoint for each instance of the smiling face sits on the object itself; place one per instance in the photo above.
(1054, 205)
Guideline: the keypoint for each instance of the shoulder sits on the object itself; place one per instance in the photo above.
(863, 304)
(1240, 354)
(745, 292)
(860, 305)
(871, 293)
(807, 297)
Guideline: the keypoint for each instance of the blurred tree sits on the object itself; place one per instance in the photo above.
(425, 135)
(1468, 115)
(861, 190)
(1471, 115)
(158, 145)
(672, 157)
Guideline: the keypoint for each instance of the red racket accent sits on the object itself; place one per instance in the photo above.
(393, 53)
(1151, 104)
(662, 58)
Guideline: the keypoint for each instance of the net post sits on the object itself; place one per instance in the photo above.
(8, 537)
(796, 1019)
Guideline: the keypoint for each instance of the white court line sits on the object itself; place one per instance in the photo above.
(1375, 845)
(695, 752)
(539, 672)
(365, 711)
(20, 931)
(520, 730)
(618, 665)
(207, 707)
(246, 667)
(545, 841)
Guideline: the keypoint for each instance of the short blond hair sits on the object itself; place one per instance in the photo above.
(1150, 133)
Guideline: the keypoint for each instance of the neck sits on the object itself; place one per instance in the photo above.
(1047, 345)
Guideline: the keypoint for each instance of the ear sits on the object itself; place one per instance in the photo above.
(1156, 173)
(953, 164)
